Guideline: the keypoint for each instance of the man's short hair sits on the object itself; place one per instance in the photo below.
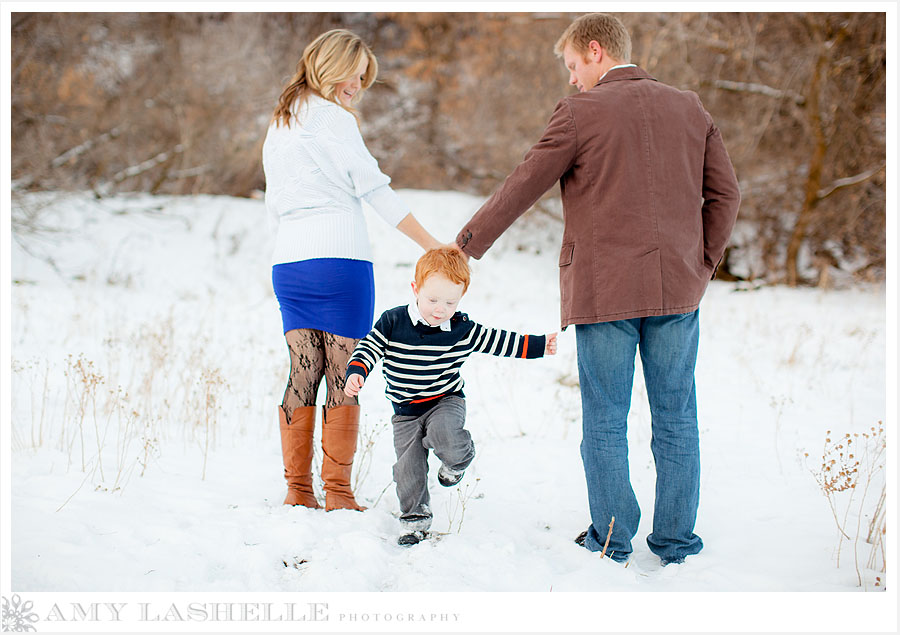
(607, 30)
(446, 261)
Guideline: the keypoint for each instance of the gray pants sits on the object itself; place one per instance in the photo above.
(440, 429)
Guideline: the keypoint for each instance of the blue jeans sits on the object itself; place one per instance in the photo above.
(606, 352)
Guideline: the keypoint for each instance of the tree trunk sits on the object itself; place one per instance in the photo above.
(814, 175)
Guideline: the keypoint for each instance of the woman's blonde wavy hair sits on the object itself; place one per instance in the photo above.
(327, 61)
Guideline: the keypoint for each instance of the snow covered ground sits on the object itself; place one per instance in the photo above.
(147, 361)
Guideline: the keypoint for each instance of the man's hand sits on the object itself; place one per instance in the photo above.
(354, 385)
(550, 347)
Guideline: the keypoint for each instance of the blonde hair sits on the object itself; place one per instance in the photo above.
(327, 61)
(607, 30)
(446, 261)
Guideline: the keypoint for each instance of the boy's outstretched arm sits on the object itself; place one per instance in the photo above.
(508, 343)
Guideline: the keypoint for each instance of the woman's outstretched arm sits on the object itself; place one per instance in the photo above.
(411, 227)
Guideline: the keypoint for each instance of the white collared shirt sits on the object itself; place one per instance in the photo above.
(619, 66)
(416, 316)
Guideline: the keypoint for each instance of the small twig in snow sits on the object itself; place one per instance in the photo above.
(608, 534)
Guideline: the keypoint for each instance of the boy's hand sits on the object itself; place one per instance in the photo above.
(354, 385)
(550, 348)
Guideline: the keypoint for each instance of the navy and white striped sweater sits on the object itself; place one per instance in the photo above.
(422, 363)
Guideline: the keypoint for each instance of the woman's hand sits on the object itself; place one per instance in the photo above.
(453, 245)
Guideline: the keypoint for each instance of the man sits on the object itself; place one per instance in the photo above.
(649, 201)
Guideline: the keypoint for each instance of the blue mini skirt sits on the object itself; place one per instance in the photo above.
(336, 295)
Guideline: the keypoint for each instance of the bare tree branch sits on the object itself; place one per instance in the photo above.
(134, 170)
(149, 164)
(847, 181)
(84, 147)
(759, 89)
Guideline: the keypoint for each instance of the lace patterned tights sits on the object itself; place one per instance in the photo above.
(315, 354)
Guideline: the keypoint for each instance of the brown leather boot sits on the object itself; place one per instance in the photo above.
(340, 426)
(297, 450)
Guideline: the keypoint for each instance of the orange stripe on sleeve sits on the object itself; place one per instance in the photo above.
(361, 365)
(525, 347)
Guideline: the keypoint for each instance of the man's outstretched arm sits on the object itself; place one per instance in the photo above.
(542, 166)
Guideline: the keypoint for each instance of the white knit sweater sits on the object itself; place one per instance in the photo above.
(318, 171)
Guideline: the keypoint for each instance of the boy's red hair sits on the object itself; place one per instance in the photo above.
(448, 262)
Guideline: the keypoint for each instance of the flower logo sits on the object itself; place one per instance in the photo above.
(17, 615)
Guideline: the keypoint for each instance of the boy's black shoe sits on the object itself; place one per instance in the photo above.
(579, 539)
(412, 538)
(448, 477)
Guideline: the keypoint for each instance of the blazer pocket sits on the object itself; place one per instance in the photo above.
(566, 254)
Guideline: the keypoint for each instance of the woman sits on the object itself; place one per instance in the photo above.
(318, 171)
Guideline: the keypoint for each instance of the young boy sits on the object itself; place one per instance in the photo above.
(423, 345)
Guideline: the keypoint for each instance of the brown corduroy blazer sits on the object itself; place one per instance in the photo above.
(649, 199)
